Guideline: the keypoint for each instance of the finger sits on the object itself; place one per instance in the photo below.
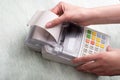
(89, 66)
(97, 70)
(79, 69)
(115, 72)
(105, 73)
(84, 66)
(58, 9)
(109, 48)
(101, 74)
(55, 22)
(86, 58)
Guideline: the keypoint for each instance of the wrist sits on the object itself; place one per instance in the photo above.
(94, 16)
(104, 15)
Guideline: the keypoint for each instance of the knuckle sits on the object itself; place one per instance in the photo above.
(57, 21)
(61, 2)
(67, 16)
(83, 67)
(53, 22)
(83, 59)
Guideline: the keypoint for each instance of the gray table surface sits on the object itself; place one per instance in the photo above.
(18, 62)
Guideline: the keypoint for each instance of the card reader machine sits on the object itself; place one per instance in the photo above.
(66, 42)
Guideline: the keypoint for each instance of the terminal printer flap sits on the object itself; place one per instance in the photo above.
(41, 18)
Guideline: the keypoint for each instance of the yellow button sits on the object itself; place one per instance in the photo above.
(93, 37)
(98, 39)
(102, 45)
(97, 44)
(94, 33)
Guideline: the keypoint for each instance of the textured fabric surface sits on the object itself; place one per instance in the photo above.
(18, 62)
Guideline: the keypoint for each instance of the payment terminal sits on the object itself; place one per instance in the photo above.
(65, 41)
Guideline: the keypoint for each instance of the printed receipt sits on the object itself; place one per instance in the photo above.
(41, 18)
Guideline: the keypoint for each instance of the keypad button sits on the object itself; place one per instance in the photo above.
(93, 37)
(87, 40)
(86, 45)
(88, 36)
(90, 52)
(98, 35)
(103, 37)
(102, 45)
(98, 39)
(96, 49)
(94, 33)
(91, 47)
(92, 42)
(97, 44)
(85, 50)
(88, 31)
(103, 41)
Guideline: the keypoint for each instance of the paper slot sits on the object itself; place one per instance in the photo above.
(41, 18)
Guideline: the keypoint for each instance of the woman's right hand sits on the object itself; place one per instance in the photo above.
(71, 13)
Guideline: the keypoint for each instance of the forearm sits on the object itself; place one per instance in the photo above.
(105, 15)
(85, 16)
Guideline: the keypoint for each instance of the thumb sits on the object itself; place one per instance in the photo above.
(112, 49)
(55, 22)
(86, 58)
(109, 48)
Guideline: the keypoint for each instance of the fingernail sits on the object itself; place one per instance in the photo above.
(48, 25)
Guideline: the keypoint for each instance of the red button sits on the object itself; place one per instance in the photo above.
(87, 40)
(92, 42)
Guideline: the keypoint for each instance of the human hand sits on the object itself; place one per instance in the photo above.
(104, 63)
(85, 16)
(70, 13)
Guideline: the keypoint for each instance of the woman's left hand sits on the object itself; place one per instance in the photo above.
(104, 63)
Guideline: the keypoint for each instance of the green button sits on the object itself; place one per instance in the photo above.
(88, 36)
(88, 31)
